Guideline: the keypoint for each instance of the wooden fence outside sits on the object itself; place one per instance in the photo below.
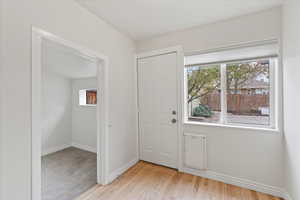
(238, 103)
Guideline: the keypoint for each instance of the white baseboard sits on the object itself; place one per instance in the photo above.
(55, 149)
(84, 147)
(64, 146)
(115, 174)
(244, 183)
(287, 196)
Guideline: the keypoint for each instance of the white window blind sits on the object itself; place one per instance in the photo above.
(231, 54)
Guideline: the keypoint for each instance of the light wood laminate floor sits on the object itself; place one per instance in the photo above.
(146, 181)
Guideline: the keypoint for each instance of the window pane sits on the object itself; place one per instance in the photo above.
(82, 97)
(87, 97)
(204, 102)
(91, 97)
(248, 93)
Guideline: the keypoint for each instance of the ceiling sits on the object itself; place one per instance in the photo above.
(67, 62)
(142, 19)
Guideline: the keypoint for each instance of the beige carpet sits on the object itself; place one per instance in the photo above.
(68, 173)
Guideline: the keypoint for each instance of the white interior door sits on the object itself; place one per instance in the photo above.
(157, 87)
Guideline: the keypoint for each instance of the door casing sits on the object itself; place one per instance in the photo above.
(38, 35)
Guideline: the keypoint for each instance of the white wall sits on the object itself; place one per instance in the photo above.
(84, 118)
(255, 27)
(65, 123)
(291, 58)
(248, 154)
(1, 104)
(66, 19)
(56, 110)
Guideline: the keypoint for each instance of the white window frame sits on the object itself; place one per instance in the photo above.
(274, 99)
(86, 105)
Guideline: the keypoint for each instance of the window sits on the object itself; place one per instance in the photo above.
(88, 97)
(204, 93)
(230, 91)
(245, 105)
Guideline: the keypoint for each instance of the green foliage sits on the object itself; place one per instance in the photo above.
(238, 75)
(202, 111)
(203, 81)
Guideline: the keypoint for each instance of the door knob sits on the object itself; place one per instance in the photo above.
(174, 112)
(174, 121)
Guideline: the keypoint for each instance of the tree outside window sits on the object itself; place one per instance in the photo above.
(247, 89)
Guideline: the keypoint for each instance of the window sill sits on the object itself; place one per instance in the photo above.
(87, 105)
(262, 129)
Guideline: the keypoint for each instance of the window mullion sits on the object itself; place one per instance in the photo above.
(223, 118)
(273, 86)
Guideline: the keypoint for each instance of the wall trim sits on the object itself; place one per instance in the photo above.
(287, 196)
(65, 146)
(55, 149)
(116, 173)
(84, 147)
(244, 183)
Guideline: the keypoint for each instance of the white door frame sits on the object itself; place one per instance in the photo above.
(180, 86)
(38, 36)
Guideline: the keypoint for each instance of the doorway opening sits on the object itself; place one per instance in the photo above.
(69, 118)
